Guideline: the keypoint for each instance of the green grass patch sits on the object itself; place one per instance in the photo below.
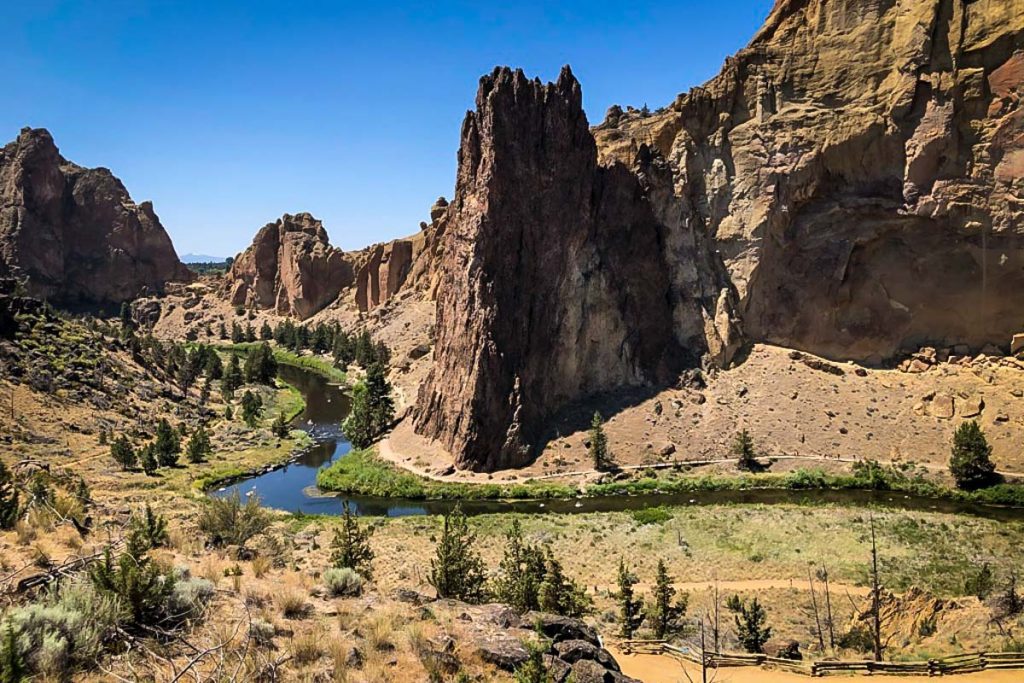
(363, 473)
(653, 515)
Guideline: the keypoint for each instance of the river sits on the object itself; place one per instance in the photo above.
(293, 487)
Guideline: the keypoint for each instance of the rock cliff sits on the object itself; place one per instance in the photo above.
(850, 184)
(73, 235)
(859, 167)
(552, 286)
(290, 267)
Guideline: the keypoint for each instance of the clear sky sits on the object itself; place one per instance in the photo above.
(228, 114)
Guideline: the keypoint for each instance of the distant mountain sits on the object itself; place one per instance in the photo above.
(202, 258)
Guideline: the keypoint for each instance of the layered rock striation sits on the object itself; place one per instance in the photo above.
(290, 268)
(73, 235)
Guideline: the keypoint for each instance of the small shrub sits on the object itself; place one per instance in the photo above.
(343, 582)
(293, 605)
(262, 632)
(226, 521)
(189, 598)
(306, 648)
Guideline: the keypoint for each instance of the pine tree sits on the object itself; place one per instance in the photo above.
(971, 464)
(252, 405)
(260, 365)
(351, 545)
(344, 350)
(250, 334)
(365, 352)
(168, 444)
(752, 628)
(665, 614)
(534, 670)
(237, 335)
(457, 570)
(9, 503)
(199, 445)
(147, 458)
(127, 322)
(266, 334)
(380, 403)
(222, 331)
(520, 573)
(559, 594)
(743, 449)
(232, 378)
(212, 365)
(631, 607)
(229, 414)
(123, 453)
(12, 664)
(598, 448)
(136, 582)
(148, 530)
(358, 426)
(280, 426)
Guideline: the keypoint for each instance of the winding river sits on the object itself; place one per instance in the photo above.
(293, 487)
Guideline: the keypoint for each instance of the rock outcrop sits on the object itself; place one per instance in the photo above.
(290, 268)
(860, 167)
(552, 284)
(849, 185)
(383, 273)
(73, 235)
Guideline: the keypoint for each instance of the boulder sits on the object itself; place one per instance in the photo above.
(972, 407)
(942, 407)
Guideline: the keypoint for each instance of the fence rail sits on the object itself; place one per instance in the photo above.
(968, 662)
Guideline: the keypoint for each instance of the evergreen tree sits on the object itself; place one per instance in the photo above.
(752, 628)
(358, 426)
(559, 594)
(168, 444)
(260, 365)
(103, 436)
(534, 670)
(137, 583)
(380, 403)
(344, 350)
(229, 414)
(982, 583)
(743, 449)
(123, 453)
(280, 426)
(222, 331)
(147, 458)
(199, 446)
(148, 530)
(365, 353)
(457, 570)
(631, 607)
(971, 464)
(232, 378)
(665, 614)
(351, 545)
(127, 322)
(520, 573)
(598, 448)
(212, 365)
(252, 405)
(266, 334)
(237, 335)
(12, 664)
(250, 334)
(9, 503)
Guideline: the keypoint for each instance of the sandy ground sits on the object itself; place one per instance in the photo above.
(666, 669)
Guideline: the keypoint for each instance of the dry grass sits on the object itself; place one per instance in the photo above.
(307, 647)
(293, 604)
(261, 566)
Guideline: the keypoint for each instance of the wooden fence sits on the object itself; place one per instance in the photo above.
(956, 664)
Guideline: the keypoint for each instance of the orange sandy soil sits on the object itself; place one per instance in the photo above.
(666, 669)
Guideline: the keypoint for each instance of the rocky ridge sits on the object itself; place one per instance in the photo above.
(73, 235)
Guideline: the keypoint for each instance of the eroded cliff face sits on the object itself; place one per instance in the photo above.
(290, 267)
(859, 167)
(73, 235)
(552, 284)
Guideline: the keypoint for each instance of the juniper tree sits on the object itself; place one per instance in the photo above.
(358, 426)
(167, 446)
(251, 407)
(631, 607)
(147, 530)
(232, 379)
(378, 394)
(351, 545)
(12, 664)
(520, 572)
(598, 448)
(665, 612)
(147, 458)
(457, 570)
(199, 446)
(558, 593)
(9, 504)
(266, 334)
(970, 463)
(743, 449)
(122, 452)
(752, 628)
(280, 426)
(260, 365)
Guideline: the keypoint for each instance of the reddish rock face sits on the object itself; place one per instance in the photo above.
(73, 234)
(550, 288)
(290, 267)
(383, 273)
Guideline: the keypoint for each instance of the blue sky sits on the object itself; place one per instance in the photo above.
(228, 114)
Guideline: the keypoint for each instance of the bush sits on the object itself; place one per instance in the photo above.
(343, 582)
(189, 598)
(655, 515)
(351, 545)
(457, 571)
(225, 521)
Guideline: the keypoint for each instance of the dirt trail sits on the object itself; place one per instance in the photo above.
(666, 669)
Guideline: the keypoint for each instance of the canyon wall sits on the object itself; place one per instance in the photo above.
(850, 184)
(290, 268)
(73, 235)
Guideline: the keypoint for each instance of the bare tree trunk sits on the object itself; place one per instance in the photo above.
(715, 632)
(828, 609)
(876, 597)
(703, 656)
(814, 604)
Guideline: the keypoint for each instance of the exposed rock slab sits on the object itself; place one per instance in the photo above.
(73, 235)
(290, 267)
